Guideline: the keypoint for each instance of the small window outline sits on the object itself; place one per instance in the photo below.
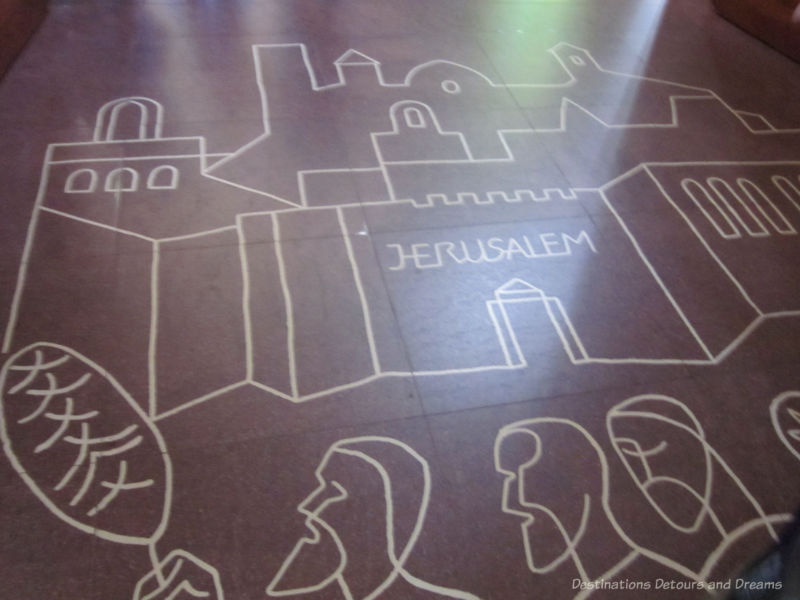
(414, 117)
(788, 189)
(768, 209)
(114, 182)
(71, 188)
(688, 186)
(577, 60)
(174, 178)
(720, 187)
(451, 87)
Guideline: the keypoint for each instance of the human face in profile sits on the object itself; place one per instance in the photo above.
(318, 558)
(540, 490)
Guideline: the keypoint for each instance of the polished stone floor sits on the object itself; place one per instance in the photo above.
(394, 299)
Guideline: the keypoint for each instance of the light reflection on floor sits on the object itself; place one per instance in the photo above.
(383, 300)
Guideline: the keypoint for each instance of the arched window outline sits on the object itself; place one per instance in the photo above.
(766, 207)
(151, 117)
(172, 178)
(785, 185)
(451, 87)
(727, 230)
(397, 114)
(71, 186)
(414, 118)
(725, 192)
(115, 182)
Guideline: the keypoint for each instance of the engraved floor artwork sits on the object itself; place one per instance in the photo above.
(449, 310)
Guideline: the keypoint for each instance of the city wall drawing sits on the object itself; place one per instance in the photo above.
(408, 240)
(725, 210)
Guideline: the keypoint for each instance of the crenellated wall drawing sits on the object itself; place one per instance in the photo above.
(409, 241)
(412, 160)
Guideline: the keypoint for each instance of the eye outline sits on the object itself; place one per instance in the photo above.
(638, 452)
(641, 455)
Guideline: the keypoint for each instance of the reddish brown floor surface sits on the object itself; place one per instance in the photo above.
(389, 299)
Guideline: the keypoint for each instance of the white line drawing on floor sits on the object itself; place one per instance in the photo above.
(395, 470)
(560, 513)
(646, 431)
(115, 464)
(785, 415)
(179, 573)
(518, 291)
(724, 206)
(526, 448)
(74, 184)
(583, 76)
(747, 294)
(586, 73)
(148, 125)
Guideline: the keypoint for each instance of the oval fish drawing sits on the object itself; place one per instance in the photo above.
(83, 446)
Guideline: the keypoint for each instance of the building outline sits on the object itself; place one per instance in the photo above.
(131, 158)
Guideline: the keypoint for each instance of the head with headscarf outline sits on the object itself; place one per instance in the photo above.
(330, 491)
(644, 458)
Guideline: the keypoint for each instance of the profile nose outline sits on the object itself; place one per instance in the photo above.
(313, 505)
(512, 503)
(326, 493)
